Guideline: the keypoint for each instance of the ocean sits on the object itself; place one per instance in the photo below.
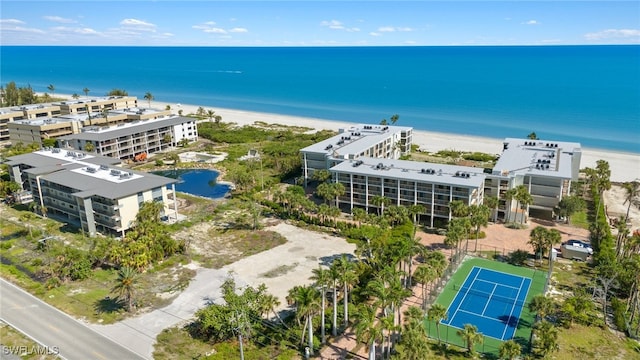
(586, 94)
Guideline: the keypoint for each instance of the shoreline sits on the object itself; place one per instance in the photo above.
(624, 166)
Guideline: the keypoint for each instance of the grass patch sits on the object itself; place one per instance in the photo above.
(580, 219)
(15, 340)
(582, 342)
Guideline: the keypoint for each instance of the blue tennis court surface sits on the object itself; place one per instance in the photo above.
(490, 300)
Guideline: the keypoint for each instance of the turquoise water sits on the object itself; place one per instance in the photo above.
(199, 182)
(588, 94)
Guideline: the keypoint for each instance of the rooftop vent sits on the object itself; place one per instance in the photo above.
(357, 163)
(104, 167)
(115, 172)
(380, 166)
(90, 169)
(328, 147)
(55, 150)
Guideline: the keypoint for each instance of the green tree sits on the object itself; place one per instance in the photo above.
(568, 206)
(424, 275)
(125, 287)
(380, 202)
(523, 199)
(75, 96)
(632, 196)
(510, 349)
(321, 175)
(117, 92)
(509, 196)
(394, 119)
(307, 305)
(437, 313)
(471, 336)
(545, 340)
(89, 147)
(542, 306)
(537, 240)
(211, 114)
(86, 91)
(322, 279)
(334, 275)
(479, 217)
(367, 328)
(492, 203)
(148, 96)
(533, 136)
(52, 89)
(348, 277)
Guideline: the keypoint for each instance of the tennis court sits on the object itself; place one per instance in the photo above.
(491, 300)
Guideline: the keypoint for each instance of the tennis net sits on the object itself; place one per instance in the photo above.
(490, 296)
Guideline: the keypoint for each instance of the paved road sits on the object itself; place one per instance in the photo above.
(55, 330)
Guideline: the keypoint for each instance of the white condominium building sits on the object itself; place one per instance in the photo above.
(128, 140)
(88, 191)
(378, 141)
(365, 160)
(406, 183)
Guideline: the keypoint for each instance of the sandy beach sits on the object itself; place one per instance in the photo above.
(624, 166)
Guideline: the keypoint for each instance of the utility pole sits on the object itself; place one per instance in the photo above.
(240, 328)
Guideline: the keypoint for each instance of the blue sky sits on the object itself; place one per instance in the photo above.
(318, 23)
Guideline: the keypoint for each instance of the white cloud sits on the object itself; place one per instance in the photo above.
(167, 34)
(394, 29)
(239, 30)
(80, 30)
(608, 34)
(531, 22)
(140, 25)
(215, 30)
(11, 21)
(59, 19)
(337, 25)
(374, 33)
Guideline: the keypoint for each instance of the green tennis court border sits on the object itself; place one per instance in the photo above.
(489, 345)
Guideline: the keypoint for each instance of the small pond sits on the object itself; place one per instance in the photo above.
(199, 182)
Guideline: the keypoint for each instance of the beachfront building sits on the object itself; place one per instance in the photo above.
(375, 141)
(38, 130)
(94, 105)
(546, 168)
(406, 183)
(130, 140)
(370, 168)
(89, 191)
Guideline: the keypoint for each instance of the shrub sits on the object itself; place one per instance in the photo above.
(618, 313)
(6, 245)
(518, 257)
(478, 156)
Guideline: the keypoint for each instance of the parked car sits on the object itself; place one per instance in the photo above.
(581, 244)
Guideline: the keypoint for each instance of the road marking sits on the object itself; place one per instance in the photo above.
(99, 355)
(53, 328)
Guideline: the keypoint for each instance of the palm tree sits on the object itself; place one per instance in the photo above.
(347, 277)
(75, 96)
(600, 180)
(632, 193)
(537, 239)
(510, 350)
(52, 89)
(380, 201)
(359, 215)
(533, 136)
(541, 305)
(492, 203)
(471, 336)
(552, 238)
(86, 91)
(367, 328)
(89, 147)
(394, 119)
(334, 275)
(322, 278)
(415, 211)
(306, 298)
(125, 285)
(269, 303)
(458, 208)
(510, 195)
(545, 338)
(148, 96)
(424, 275)
(437, 313)
(211, 114)
(479, 217)
(524, 198)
